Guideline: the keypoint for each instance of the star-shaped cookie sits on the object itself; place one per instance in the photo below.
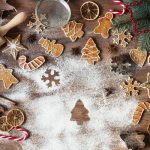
(7, 77)
(13, 46)
(146, 85)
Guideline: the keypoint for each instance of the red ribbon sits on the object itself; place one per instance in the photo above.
(126, 8)
(118, 12)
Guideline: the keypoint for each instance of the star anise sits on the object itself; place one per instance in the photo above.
(76, 51)
(112, 49)
(109, 91)
(32, 38)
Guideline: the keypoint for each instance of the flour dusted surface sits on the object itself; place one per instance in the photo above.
(48, 109)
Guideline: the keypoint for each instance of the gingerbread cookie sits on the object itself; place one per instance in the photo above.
(32, 65)
(73, 30)
(13, 46)
(142, 106)
(90, 52)
(105, 24)
(121, 38)
(7, 77)
(130, 87)
(51, 47)
(36, 23)
(146, 85)
(138, 56)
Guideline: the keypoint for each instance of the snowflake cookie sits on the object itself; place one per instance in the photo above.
(36, 23)
(121, 37)
(130, 87)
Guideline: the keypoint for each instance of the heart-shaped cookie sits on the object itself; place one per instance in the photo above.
(138, 56)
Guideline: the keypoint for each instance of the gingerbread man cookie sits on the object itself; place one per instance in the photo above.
(104, 26)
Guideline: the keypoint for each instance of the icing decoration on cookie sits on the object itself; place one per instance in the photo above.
(90, 52)
(73, 30)
(121, 38)
(105, 24)
(36, 23)
(138, 56)
(51, 47)
(32, 65)
(13, 46)
(142, 106)
(130, 87)
(7, 77)
(146, 85)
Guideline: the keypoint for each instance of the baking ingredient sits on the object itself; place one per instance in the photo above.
(79, 113)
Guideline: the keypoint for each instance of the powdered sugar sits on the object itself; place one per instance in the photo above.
(48, 109)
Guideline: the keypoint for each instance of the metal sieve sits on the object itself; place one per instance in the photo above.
(57, 12)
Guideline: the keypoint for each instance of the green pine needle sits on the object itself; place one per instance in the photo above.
(141, 14)
(144, 42)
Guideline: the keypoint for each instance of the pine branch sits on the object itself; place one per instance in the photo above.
(142, 24)
(141, 15)
(128, 1)
(144, 42)
(120, 20)
(140, 12)
(131, 1)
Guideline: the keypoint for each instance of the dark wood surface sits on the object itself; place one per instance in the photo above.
(29, 5)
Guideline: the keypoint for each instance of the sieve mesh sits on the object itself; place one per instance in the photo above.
(57, 12)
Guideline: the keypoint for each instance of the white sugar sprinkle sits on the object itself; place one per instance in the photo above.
(48, 114)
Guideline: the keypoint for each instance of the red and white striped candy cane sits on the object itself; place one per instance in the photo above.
(18, 139)
(118, 12)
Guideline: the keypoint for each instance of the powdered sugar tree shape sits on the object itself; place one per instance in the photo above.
(79, 113)
(121, 37)
(52, 76)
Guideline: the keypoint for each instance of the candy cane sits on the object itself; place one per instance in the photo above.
(18, 139)
(117, 12)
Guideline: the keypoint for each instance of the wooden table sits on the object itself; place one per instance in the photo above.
(29, 5)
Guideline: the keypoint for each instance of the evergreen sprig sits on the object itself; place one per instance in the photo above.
(141, 15)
